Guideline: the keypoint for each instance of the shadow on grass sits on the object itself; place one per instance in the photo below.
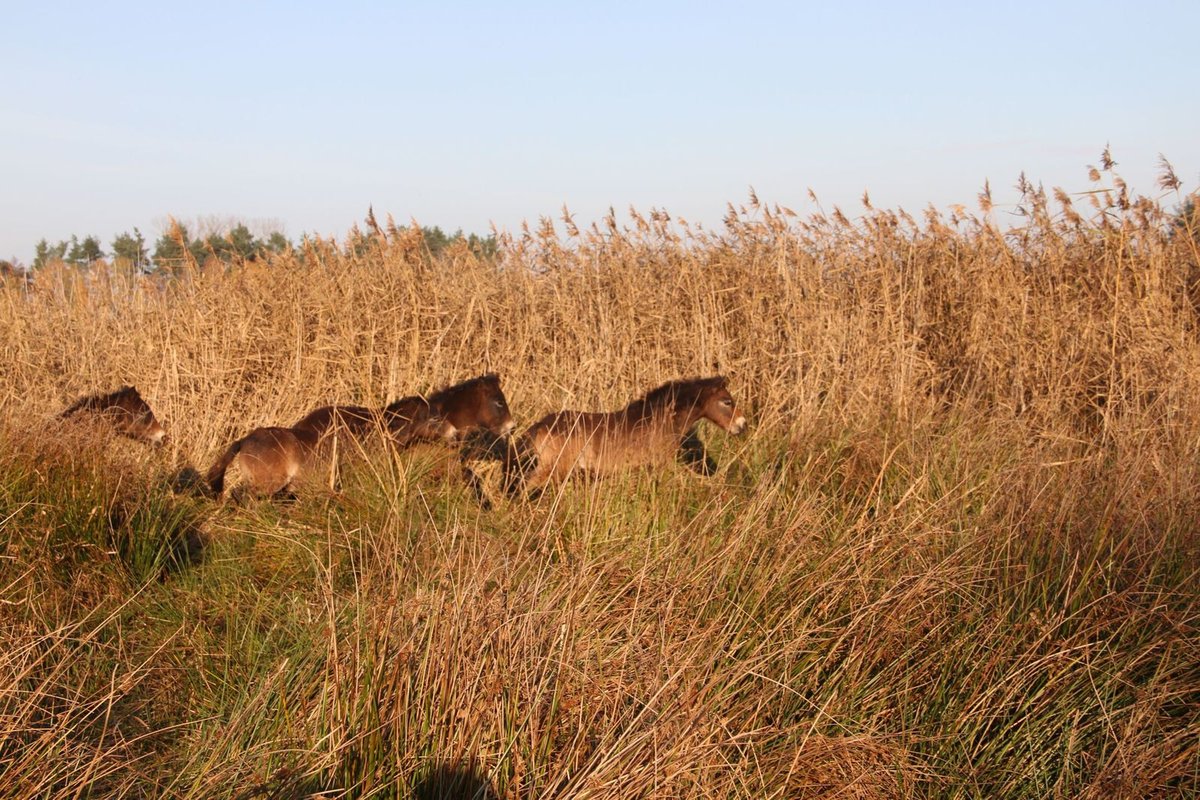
(444, 781)
(450, 781)
(160, 533)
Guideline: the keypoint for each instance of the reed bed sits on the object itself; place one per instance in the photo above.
(955, 556)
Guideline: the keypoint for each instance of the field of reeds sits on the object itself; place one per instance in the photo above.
(955, 555)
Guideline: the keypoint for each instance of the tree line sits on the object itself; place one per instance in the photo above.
(177, 246)
(173, 247)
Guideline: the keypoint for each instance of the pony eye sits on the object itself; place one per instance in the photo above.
(725, 401)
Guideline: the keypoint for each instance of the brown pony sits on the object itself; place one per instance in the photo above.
(124, 411)
(271, 458)
(649, 430)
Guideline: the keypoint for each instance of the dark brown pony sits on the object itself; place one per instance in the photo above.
(124, 411)
(271, 458)
(649, 430)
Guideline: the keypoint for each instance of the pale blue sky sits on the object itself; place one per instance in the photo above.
(461, 114)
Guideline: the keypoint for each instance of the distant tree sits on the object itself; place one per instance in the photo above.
(131, 249)
(437, 240)
(242, 242)
(277, 242)
(86, 252)
(482, 246)
(172, 249)
(216, 246)
(45, 253)
(41, 253)
(1187, 219)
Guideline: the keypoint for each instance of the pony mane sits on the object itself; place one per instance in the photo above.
(675, 393)
(396, 406)
(103, 401)
(442, 394)
(490, 378)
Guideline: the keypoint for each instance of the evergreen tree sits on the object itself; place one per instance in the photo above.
(1187, 220)
(243, 243)
(46, 253)
(131, 249)
(216, 246)
(436, 240)
(277, 242)
(482, 246)
(169, 251)
(86, 252)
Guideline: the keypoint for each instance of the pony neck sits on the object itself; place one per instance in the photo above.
(406, 411)
(308, 437)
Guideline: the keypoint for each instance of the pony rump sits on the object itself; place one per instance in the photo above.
(215, 477)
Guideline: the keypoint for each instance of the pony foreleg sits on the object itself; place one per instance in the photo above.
(694, 456)
(335, 472)
(476, 484)
(518, 463)
(474, 448)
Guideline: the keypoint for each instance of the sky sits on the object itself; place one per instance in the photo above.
(301, 115)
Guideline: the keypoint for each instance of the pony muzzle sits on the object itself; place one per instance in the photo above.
(738, 425)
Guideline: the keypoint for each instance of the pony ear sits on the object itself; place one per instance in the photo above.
(720, 382)
(492, 377)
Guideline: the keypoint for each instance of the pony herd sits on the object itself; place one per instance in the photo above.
(472, 416)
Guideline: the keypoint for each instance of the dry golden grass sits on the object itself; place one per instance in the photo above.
(955, 556)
